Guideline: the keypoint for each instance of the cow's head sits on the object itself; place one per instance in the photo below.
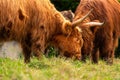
(74, 36)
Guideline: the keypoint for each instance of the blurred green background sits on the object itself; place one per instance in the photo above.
(65, 4)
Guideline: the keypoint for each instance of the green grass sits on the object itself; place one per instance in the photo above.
(57, 69)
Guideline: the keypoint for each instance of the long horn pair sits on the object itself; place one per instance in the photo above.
(75, 23)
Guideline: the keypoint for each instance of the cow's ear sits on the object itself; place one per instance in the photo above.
(67, 27)
(21, 14)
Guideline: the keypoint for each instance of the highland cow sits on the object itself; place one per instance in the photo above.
(106, 37)
(67, 45)
(86, 39)
(32, 23)
(86, 35)
(71, 45)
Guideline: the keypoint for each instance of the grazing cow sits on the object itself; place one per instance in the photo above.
(32, 23)
(86, 36)
(67, 45)
(106, 37)
(70, 46)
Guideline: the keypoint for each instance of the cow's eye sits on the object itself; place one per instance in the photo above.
(42, 27)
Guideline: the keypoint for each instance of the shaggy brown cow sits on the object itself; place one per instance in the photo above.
(106, 37)
(70, 46)
(33, 23)
(86, 35)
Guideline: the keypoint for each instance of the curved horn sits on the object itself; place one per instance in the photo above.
(93, 24)
(81, 19)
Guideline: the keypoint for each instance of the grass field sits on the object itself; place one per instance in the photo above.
(57, 69)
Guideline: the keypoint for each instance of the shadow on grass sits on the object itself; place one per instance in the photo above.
(38, 65)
